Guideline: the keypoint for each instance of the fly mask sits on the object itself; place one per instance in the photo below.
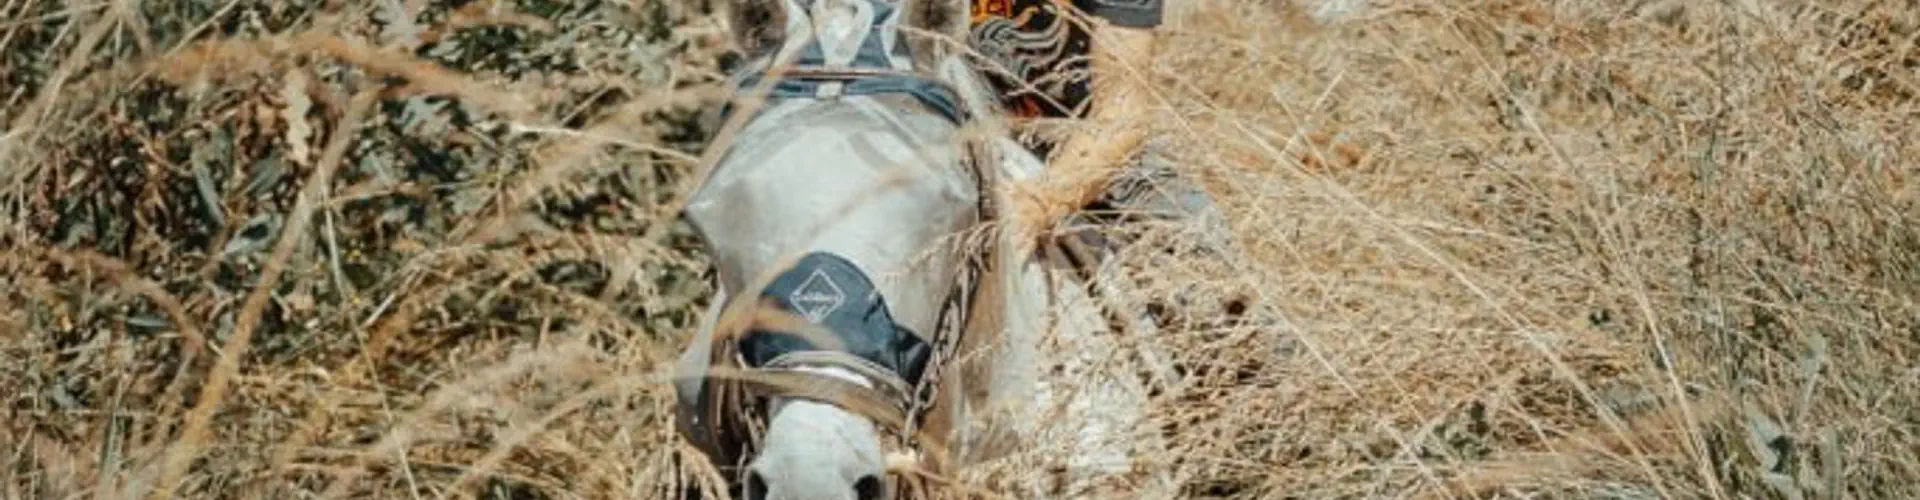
(834, 220)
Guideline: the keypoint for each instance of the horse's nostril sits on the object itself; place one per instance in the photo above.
(756, 486)
(869, 487)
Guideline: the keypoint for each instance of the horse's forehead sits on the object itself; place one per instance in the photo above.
(869, 12)
(846, 18)
(844, 32)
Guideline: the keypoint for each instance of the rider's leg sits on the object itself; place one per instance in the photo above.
(1063, 66)
(1117, 120)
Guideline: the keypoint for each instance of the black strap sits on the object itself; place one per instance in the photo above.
(1126, 13)
(935, 95)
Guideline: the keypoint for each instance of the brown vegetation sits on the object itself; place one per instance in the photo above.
(1569, 248)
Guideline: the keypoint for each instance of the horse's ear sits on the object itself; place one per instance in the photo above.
(758, 26)
(946, 17)
(942, 18)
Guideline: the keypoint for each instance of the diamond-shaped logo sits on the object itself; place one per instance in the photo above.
(817, 297)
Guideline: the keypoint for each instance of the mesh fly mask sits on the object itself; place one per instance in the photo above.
(837, 200)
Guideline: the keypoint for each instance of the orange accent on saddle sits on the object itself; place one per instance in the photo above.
(1036, 15)
(982, 9)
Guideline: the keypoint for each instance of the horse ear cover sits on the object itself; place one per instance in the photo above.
(757, 25)
(943, 18)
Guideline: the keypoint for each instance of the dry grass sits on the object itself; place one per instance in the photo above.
(1489, 248)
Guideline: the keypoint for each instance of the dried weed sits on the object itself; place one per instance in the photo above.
(1484, 249)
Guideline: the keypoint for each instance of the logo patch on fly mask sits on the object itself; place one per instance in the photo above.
(817, 296)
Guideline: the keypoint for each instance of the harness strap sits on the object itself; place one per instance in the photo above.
(884, 383)
(804, 81)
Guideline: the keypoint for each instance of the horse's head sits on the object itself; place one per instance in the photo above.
(864, 54)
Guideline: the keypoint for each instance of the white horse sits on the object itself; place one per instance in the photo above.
(869, 294)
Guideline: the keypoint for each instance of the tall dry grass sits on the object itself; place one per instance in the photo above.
(1568, 247)
(1485, 248)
